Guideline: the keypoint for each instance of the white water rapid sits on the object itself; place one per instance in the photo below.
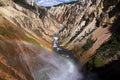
(48, 65)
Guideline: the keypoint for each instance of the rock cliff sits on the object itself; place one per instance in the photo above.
(82, 27)
(87, 25)
(20, 23)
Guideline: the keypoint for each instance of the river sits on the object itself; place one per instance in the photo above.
(49, 65)
(58, 64)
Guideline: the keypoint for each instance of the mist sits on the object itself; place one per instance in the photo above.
(48, 65)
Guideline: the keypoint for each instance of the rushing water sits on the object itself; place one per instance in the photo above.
(51, 65)
(48, 65)
(56, 68)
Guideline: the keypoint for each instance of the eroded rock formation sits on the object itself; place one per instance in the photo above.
(87, 24)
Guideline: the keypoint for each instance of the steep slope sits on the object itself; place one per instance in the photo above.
(79, 22)
(82, 27)
(40, 25)
(20, 24)
(91, 32)
(11, 65)
(86, 25)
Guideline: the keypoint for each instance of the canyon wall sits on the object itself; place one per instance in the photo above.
(20, 23)
(87, 25)
(82, 26)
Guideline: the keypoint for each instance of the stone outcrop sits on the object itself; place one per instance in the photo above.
(21, 23)
(82, 27)
(89, 19)
(5, 2)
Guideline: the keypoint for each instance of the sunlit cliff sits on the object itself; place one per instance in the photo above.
(87, 28)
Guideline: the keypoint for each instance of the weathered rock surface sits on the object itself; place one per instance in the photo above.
(87, 25)
(84, 20)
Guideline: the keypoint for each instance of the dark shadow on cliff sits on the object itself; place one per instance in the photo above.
(66, 53)
(110, 71)
(107, 50)
(24, 4)
(115, 10)
(116, 26)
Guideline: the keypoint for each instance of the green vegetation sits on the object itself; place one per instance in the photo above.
(33, 8)
(115, 11)
(2, 66)
(76, 34)
(78, 50)
(107, 50)
(24, 4)
(99, 62)
(4, 2)
(70, 21)
(107, 4)
(99, 20)
(110, 48)
(11, 32)
(1, 78)
(89, 43)
(42, 12)
(30, 40)
(8, 32)
(87, 21)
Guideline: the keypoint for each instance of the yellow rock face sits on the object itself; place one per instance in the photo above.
(5, 2)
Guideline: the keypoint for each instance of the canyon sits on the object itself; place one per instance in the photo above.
(89, 29)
